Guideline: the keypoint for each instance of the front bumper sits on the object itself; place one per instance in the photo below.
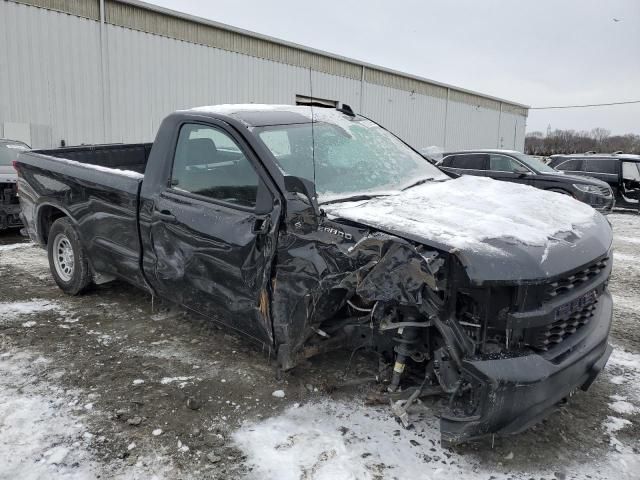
(600, 203)
(520, 391)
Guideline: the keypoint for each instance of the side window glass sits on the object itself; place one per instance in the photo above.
(570, 166)
(601, 165)
(631, 171)
(210, 163)
(502, 163)
(448, 161)
(470, 162)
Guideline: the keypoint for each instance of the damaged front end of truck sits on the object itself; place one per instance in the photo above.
(503, 349)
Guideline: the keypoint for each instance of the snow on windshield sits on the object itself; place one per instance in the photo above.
(345, 155)
(467, 211)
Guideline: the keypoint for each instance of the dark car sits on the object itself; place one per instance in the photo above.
(9, 204)
(512, 166)
(620, 171)
(313, 230)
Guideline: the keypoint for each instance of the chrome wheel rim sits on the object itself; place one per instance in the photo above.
(63, 257)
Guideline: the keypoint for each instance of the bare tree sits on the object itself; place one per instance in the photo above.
(570, 141)
(600, 134)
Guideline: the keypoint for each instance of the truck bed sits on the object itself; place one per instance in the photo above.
(99, 187)
(131, 156)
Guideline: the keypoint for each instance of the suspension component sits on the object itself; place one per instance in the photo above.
(404, 349)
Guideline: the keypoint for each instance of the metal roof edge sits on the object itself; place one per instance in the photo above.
(260, 36)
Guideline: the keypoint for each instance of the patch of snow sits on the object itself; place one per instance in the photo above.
(38, 430)
(278, 394)
(623, 407)
(334, 440)
(138, 381)
(115, 171)
(14, 246)
(625, 370)
(229, 108)
(11, 310)
(168, 380)
(628, 239)
(56, 455)
(29, 324)
(613, 424)
(156, 432)
(617, 380)
(467, 211)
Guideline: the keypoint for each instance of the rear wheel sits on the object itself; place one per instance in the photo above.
(67, 259)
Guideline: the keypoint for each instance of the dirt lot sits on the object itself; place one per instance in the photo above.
(109, 385)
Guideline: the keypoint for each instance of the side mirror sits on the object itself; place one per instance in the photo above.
(307, 188)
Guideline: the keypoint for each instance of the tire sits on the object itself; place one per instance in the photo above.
(67, 258)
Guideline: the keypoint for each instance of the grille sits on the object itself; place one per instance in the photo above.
(554, 333)
(567, 284)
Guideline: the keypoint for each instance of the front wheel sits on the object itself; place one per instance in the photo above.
(67, 259)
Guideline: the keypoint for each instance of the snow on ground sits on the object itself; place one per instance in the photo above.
(624, 369)
(43, 435)
(40, 438)
(334, 440)
(13, 246)
(17, 310)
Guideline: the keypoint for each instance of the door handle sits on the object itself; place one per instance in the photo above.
(261, 225)
(165, 216)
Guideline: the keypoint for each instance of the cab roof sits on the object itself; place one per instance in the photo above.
(262, 115)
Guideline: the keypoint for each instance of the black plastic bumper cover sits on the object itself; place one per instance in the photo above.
(521, 391)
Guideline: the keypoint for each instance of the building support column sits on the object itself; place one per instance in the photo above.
(103, 74)
(446, 120)
(362, 90)
(499, 143)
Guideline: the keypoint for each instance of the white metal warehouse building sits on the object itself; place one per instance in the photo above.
(104, 71)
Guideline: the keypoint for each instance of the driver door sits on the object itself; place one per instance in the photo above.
(213, 230)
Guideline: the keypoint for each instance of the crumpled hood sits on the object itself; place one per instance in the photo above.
(500, 231)
(8, 174)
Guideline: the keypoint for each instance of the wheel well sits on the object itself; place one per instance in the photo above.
(46, 216)
(560, 190)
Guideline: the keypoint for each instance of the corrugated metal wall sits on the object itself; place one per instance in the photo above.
(52, 81)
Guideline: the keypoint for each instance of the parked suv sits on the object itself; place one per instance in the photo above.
(512, 166)
(620, 171)
(9, 204)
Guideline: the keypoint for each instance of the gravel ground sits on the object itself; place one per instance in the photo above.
(108, 385)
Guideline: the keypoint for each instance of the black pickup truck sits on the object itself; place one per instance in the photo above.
(310, 236)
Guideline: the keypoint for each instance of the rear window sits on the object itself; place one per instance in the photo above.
(469, 161)
(601, 165)
(10, 151)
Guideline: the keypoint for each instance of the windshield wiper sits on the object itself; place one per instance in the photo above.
(354, 198)
(419, 182)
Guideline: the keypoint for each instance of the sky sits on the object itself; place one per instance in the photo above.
(542, 53)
